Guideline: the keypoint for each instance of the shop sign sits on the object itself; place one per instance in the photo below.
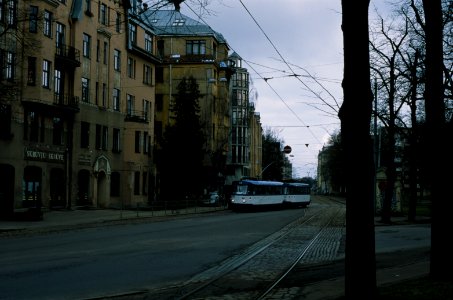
(43, 155)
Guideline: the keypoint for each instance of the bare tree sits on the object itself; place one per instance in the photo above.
(355, 115)
(440, 147)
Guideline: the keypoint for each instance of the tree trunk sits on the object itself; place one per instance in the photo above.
(355, 116)
(439, 145)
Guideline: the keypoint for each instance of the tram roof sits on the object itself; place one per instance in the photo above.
(260, 182)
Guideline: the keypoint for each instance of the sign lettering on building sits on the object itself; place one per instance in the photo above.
(44, 155)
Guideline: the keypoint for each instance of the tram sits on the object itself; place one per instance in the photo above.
(248, 193)
(297, 194)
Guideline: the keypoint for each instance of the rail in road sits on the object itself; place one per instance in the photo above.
(256, 272)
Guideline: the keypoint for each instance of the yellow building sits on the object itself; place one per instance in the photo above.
(190, 48)
(86, 90)
(76, 105)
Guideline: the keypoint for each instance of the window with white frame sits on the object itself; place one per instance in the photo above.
(10, 66)
(148, 43)
(133, 34)
(103, 17)
(86, 45)
(47, 28)
(117, 60)
(46, 65)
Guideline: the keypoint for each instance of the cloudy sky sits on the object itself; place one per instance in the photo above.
(293, 51)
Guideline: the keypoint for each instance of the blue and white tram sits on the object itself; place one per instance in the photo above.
(257, 193)
(297, 194)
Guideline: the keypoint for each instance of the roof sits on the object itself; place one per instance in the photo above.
(172, 22)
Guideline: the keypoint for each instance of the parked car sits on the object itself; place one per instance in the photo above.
(212, 199)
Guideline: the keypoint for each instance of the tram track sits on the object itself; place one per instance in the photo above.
(257, 272)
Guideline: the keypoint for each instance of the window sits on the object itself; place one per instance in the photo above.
(115, 184)
(106, 51)
(136, 183)
(118, 22)
(116, 140)
(103, 14)
(57, 137)
(88, 8)
(5, 120)
(33, 23)
(96, 93)
(145, 183)
(10, 66)
(12, 13)
(105, 137)
(60, 34)
(130, 104)
(86, 45)
(159, 74)
(102, 133)
(58, 86)
(130, 67)
(133, 34)
(47, 29)
(31, 128)
(145, 110)
(195, 47)
(85, 90)
(160, 47)
(137, 141)
(145, 143)
(178, 22)
(159, 105)
(84, 134)
(31, 78)
(98, 50)
(148, 43)
(116, 99)
(117, 60)
(147, 74)
(2, 10)
(98, 144)
(104, 95)
(46, 73)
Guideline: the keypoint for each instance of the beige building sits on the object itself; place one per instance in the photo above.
(190, 48)
(77, 121)
(86, 90)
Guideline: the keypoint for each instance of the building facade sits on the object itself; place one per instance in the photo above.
(77, 99)
(86, 92)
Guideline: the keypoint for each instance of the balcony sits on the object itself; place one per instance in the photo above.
(67, 56)
(66, 101)
(136, 116)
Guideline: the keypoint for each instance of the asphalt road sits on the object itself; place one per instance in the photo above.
(106, 260)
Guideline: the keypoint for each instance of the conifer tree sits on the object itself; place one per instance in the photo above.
(183, 149)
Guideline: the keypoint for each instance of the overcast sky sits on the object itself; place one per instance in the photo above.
(293, 51)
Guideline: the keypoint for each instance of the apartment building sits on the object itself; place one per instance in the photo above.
(77, 92)
(189, 48)
(86, 92)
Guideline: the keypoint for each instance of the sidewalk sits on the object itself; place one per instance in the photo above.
(54, 220)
